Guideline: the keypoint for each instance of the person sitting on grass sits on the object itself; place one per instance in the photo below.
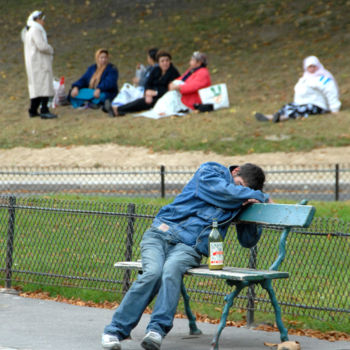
(316, 92)
(128, 92)
(145, 71)
(155, 87)
(176, 242)
(196, 77)
(98, 83)
(183, 95)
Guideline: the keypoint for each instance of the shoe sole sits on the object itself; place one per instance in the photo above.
(112, 347)
(150, 345)
(261, 118)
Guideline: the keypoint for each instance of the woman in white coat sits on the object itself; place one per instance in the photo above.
(316, 92)
(38, 55)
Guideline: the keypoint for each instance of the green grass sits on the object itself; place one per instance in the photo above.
(255, 47)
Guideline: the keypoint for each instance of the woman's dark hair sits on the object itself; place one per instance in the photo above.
(253, 176)
(153, 53)
(163, 54)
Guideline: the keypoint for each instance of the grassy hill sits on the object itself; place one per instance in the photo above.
(255, 46)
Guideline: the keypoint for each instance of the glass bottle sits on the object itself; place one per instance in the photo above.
(216, 248)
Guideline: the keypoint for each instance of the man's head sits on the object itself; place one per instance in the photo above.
(249, 175)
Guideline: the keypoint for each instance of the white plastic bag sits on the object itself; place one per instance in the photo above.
(216, 95)
(169, 104)
(59, 97)
(128, 93)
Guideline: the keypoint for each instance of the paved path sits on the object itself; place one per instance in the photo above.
(34, 324)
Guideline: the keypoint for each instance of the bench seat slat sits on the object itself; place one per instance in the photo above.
(278, 214)
(228, 273)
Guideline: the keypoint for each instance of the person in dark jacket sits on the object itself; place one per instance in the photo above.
(155, 87)
(176, 241)
(99, 82)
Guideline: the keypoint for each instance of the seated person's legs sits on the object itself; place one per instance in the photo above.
(143, 289)
(84, 95)
(180, 258)
(134, 106)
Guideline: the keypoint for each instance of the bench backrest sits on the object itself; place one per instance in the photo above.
(288, 215)
(285, 215)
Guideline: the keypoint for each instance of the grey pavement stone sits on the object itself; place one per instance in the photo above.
(34, 324)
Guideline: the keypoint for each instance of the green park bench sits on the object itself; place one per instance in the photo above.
(286, 216)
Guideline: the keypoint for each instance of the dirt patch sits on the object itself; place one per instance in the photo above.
(111, 155)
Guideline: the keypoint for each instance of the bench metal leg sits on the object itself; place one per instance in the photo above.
(194, 330)
(229, 302)
(283, 330)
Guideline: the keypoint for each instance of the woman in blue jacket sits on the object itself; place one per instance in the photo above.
(97, 84)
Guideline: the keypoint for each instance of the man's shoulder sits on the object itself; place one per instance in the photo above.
(213, 167)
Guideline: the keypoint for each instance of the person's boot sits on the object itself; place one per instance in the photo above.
(276, 118)
(48, 115)
(33, 114)
(261, 117)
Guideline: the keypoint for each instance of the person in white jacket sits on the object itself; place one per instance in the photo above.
(38, 55)
(316, 92)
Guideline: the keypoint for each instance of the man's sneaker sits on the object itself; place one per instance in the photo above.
(152, 341)
(110, 342)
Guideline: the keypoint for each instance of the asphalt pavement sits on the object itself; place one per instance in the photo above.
(34, 324)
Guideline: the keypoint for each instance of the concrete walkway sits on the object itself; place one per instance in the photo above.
(34, 324)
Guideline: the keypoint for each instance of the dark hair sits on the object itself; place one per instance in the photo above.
(162, 54)
(253, 176)
(153, 53)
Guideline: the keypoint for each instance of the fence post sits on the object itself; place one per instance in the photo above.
(336, 182)
(129, 244)
(251, 289)
(162, 181)
(10, 241)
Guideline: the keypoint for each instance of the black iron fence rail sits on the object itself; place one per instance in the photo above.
(317, 182)
(45, 241)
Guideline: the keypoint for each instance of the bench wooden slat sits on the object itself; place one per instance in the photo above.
(279, 214)
(228, 273)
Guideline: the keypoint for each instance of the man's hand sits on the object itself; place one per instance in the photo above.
(250, 201)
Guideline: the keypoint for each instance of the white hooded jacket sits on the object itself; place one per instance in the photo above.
(38, 55)
(319, 88)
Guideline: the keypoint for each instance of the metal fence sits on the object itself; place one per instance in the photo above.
(316, 182)
(76, 243)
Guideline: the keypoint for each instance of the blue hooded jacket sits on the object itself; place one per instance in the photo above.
(210, 194)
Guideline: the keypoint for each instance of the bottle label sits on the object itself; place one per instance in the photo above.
(216, 253)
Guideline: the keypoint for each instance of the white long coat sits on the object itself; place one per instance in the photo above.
(38, 56)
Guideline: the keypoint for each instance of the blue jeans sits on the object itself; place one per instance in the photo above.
(164, 262)
(86, 95)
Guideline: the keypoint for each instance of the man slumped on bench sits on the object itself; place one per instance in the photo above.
(176, 242)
